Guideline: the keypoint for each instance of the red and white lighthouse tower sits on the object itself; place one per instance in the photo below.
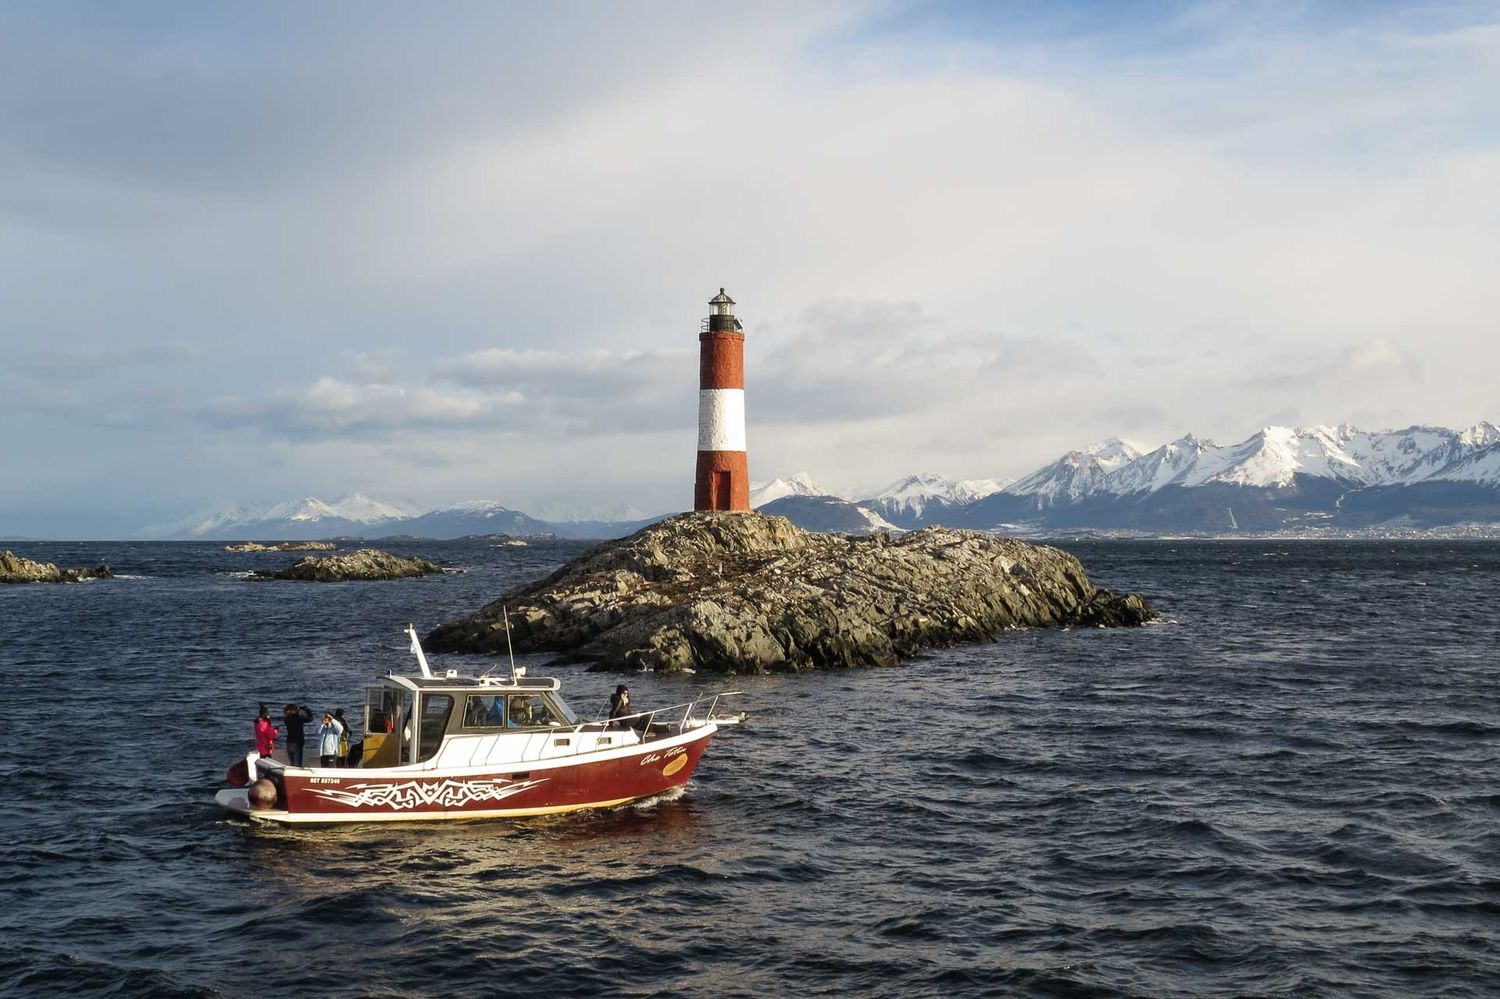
(723, 480)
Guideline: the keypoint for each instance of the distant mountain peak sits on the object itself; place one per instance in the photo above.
(359, 507)
(910, 497)
(293, 518)
(1077, 473)
(1113, 450)
(797, 484)
(1482, 434)
(474, 506)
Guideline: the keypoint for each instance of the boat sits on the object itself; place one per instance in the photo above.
(446, 746)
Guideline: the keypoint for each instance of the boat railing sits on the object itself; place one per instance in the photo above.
(680, 723)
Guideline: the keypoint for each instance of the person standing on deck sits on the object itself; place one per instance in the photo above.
(296, 717)
(329, 734)
(265, 732)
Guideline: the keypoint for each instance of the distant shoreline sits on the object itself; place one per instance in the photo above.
(1486, 532)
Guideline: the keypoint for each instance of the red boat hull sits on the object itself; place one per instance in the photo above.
(547, 787)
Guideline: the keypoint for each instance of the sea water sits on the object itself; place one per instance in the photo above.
(1290, 786)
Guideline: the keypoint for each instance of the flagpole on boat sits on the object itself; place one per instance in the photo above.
(509, 648)
(416, 649)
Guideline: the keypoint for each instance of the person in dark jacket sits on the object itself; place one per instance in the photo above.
(619, 704)
(295, 716)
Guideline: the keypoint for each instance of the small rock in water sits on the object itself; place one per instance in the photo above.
(15, 569)
(367, 563)
(284, 546)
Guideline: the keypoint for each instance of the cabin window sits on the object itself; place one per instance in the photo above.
(484, 711)
(435, 711)
(529, 711)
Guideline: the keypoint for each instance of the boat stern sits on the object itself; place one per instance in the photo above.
(236, 800)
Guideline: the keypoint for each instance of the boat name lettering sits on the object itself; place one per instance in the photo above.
(415, 793)
(658, 757)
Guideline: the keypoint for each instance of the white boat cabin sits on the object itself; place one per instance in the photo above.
(453, 721)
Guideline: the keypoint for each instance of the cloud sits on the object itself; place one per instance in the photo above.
(838, 362)
(853, 360)
(1380, 355)
(1356, 364)
(331, 409)
(963, 236)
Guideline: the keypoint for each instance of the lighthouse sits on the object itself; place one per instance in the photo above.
(723, 479)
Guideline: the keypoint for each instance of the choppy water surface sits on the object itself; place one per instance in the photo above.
(1291, 788)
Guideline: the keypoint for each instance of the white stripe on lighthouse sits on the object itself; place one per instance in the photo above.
(721, 419)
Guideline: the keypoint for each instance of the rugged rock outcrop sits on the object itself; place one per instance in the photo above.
(748, 593)
(285, 546)
(15, 569)
(367, 563)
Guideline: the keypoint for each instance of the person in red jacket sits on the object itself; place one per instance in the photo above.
(265, 732)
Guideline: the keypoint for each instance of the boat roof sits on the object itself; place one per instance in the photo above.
(525, 684)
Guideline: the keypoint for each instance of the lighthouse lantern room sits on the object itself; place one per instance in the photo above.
(723, 477)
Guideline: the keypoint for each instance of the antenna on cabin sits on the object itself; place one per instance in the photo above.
(515, 673)
(416, 650)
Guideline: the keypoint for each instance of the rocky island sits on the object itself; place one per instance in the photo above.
(285, 546)
(750, 593)
(367, 563)
(15, 569)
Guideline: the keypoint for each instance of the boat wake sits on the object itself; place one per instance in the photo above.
(647, 804)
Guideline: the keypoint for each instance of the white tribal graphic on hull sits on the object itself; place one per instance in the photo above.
(413, 793)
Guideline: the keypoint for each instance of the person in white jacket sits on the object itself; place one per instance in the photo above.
(329, 734)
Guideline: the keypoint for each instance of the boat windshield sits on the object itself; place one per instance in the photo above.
(563, 709)
(529, 711)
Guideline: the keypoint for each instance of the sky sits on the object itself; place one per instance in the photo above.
(455, 251)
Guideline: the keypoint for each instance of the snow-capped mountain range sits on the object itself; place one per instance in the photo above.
(1325, 476)
(901, 504)
(1279, 477)
(308, 517)
(1272, 457)
(925, 494)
